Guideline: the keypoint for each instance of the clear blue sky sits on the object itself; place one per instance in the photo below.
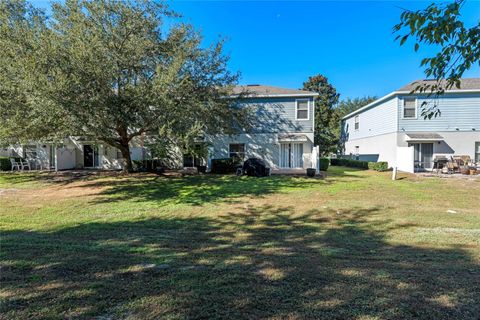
(282, 43)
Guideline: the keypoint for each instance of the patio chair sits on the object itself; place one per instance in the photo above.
(458, 160)
(15, 164)
(452, 167)
(25, 164)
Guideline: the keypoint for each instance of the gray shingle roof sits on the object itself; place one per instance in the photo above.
(424, 136)
(466, 84)
(262, 90)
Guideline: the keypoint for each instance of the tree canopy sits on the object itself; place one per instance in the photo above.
(441, 25)
(110, 70)
(325, 120)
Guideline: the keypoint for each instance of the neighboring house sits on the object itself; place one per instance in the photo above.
(72, 153)
(392, 128)
(283, 136)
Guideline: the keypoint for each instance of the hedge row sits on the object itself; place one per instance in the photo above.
(5, 164)
(378, 166)
(225, 165)
(324, 162)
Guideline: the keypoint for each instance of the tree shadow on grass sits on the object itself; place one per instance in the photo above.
(255, 262)
(197, 190)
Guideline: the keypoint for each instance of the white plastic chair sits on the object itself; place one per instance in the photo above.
(15, 164)
(25, 164)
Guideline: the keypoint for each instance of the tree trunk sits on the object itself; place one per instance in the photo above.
(127, 160)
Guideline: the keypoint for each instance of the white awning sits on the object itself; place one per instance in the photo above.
(292, 138)
(423, 136)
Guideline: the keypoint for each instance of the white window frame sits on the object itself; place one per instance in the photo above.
(357, 117)
(296, 109)
(244, 149)
(416, 109)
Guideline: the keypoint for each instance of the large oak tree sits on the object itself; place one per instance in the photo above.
(111, 71)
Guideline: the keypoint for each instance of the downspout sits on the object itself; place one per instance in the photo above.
(56, 160)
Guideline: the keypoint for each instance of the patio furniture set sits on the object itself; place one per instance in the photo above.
(21, 164)
(456, 164)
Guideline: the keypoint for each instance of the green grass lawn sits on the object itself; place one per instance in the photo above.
(355, 245)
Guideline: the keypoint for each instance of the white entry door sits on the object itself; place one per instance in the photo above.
(291, 155)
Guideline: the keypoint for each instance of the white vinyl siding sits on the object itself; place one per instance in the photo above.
(379, 119)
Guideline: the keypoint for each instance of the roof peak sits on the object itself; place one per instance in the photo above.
(261, 90)
(465, 84)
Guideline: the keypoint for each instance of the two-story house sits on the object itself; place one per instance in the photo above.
(283, 136)
(393, 129)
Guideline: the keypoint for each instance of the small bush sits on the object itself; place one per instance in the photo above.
(5, 164)
(378, 166)
(225, 165)
(324, 162)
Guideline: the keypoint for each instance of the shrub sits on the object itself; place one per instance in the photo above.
(225, 165)
(349, 163)
(378, 166)
(335, 162)
(5, 164)
(138, 165)
(324, 162)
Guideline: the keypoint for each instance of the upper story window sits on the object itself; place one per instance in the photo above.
(237, 150)
(357, 122)
(302, 110)
(409, 108)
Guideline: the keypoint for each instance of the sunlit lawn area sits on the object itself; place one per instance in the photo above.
(354, 245)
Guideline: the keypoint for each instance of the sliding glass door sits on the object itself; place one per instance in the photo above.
(90, 156)
(423, 156)
(291, 155)
(477, 152)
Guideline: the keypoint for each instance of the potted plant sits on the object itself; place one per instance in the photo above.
(311, 172)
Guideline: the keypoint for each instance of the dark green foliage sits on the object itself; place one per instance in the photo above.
(5, 164)
(378, 166)
(324, 163)
(112, 71)
(349, 163)
(329, 112)
(225, 165)
(440, 26)
(326, 121)
(348, 105)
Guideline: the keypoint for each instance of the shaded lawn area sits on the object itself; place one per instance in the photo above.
(354, 245)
